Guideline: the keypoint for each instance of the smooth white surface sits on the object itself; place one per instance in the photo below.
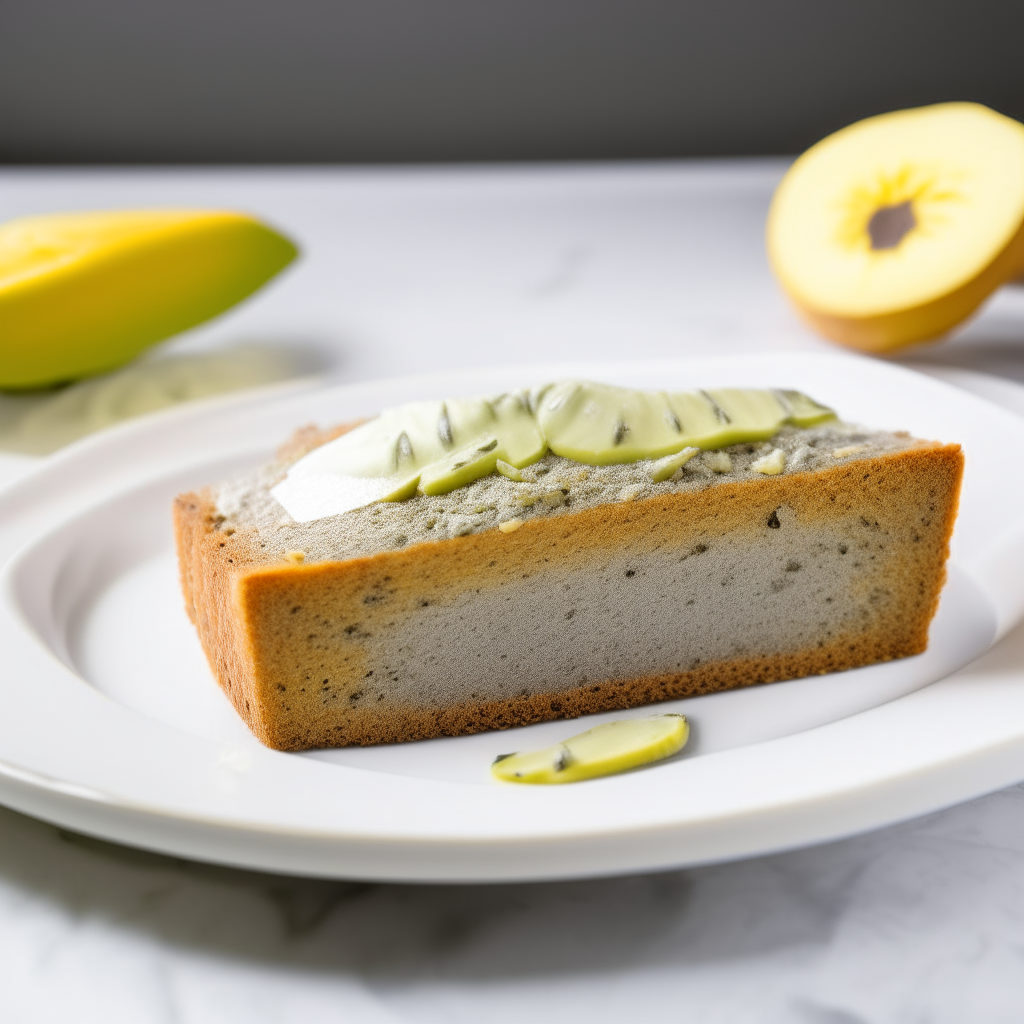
(919, 922)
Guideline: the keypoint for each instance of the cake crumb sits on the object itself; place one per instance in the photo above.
(718, 462)
(850, 449)
(800, 456)
(510, 471)
(771, 464)
(510, 525)
(295, 557)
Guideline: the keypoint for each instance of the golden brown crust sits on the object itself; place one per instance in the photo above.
(206, 570)
(266, 624)
(306, 438)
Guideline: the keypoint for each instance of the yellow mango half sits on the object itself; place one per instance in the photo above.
(82, 293)
(895, 229)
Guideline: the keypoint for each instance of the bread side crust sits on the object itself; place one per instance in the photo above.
(206, 572)
(244, 601)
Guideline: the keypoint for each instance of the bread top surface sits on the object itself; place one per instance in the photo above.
(554, 486)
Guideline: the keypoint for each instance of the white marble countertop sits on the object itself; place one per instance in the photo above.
(408, 270)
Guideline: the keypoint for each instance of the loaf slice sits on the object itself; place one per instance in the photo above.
(580, 589)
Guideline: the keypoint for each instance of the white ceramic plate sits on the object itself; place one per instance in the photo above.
(113, 725)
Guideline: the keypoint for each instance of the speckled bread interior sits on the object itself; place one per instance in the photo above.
(612, 606)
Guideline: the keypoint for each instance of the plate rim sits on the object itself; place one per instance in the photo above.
(63, 800)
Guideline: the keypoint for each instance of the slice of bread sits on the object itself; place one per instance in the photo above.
(580, 589)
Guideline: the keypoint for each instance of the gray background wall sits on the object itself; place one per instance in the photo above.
(402, 80)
